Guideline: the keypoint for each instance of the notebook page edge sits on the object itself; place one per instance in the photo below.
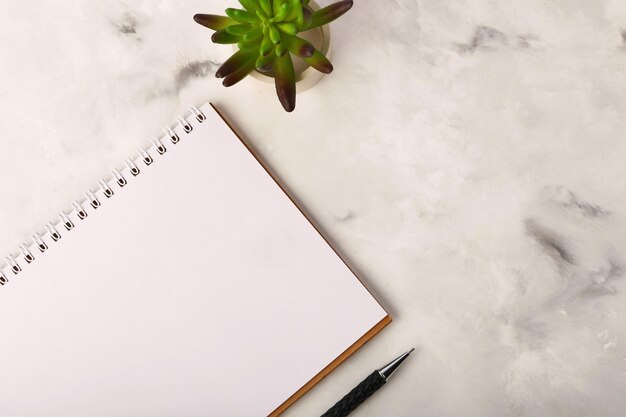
(384, 322)
(377, 328)
(295, 203)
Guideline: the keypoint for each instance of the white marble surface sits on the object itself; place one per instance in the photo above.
(467, 156)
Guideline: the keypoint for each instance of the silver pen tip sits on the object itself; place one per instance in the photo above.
(387, 370)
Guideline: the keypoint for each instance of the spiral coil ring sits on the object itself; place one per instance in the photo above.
(106, 190)
(147, 159)
(171, 134)
(40, 243)
(93, 200)
(132, 167)
(184, 124)
(54, 234)
(15, 267)
(65, 219)
(28, 257)
(119, 178)
(69, 225)
(79, 210)
(158, 146)
(200, 117)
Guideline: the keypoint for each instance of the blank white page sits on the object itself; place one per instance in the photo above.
(198, 289)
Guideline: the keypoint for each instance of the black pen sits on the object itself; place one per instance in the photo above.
(365, 389)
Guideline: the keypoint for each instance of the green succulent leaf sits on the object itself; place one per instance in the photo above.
(266, 6)
(300, 18)
(300, 47)
(285, 81)
(236, 76)
(292, 13)
(252, 46)
(221, 36)
(242, 16)
(288, 28)
(269, 67)
(263, 62)
(213, 21)
(266, 45)
(306, 18)
(250, 5)
(253, 34)
(277, 4)
(236, 62)
(261, 16)
(319, 62)
(280, 13)
(329, 13)
(274, 34)
(238, 30)
(281, 49)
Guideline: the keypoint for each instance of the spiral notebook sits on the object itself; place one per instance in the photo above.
(187, 284)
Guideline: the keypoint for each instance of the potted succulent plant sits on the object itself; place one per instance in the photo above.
(269, 34)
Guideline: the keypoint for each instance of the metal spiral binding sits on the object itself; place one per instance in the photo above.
(28, 257)
(147, 159)
(93, 200)
(200, 117)
(119, 178)
(158, 146)
(26, 251)
(132, 167)
(106, 190)
(184, 124)
(69, 225)
(15, 267)
(79, 210)
(40, 243)
(171, 134)
(54, 234)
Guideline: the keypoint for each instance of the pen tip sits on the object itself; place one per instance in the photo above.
(387, 370)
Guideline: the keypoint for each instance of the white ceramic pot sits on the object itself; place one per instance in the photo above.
(306, 76)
